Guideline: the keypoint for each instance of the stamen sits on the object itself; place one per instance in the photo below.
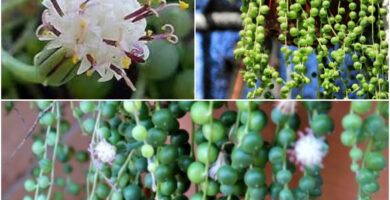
(91, 60)
(75, 58)
(57, 7)
(168, 35)
(126, 63)
(137, 12)
(110, 42)
(183, 5)
(83, 6)
(90, 72)
(124, 76)
(54, 30)
(136, 54)
(83, 24)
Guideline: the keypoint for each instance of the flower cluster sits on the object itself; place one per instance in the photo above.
(308, 150)
(105, 35)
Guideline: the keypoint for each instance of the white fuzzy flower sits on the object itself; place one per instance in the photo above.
(105, 152)
(106, 35)
(309, 151)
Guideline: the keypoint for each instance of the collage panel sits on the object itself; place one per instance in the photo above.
(196, 150)
(97, 49)
(292, 49)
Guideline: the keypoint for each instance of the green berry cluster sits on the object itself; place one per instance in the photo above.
(48, 150)
(373, 131)
(223, 157)
(353, 28)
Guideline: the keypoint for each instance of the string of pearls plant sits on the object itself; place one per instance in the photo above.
(346, 37)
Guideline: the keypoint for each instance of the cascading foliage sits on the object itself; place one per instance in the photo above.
(346, 36)
(374, 133)
(138, 151)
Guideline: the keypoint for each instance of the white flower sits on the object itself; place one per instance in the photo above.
(105, 152)
(309, 151)
(286, 107)
(106, 35)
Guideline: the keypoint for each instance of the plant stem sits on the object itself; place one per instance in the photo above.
(58, 133)
(208, 149)
(44, 156)
(20, 69)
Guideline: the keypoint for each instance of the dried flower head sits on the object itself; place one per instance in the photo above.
(221, 161)
(105, 35)
(287, 107)
(102, 152)
(308, 151)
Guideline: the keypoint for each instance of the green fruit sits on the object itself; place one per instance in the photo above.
(89, 125)
(29, 185)
(132, 106)
(352, 121)
(241, 158)
(376, 161)
(87, 106)
(286, 194)
(307, 183)
(168, 154)
(139, 133)
(38, 147)
(200, 112)
(162, 62)
(147, 151)
(164, 120)
(361, 107)
(156, 137)
(252, 142)
(168, 187)
(45, 165)
(183, 84)
(286, 136)
(214, 132)
(374, 124)
(43, 182)
(322, 124)
(254, 177)
(227, 175)
(132, 192)
(211, 189)
(245, 105)
(196, 172)
(205, 154)
(276, 155)
(348, 138)
(102, 190)
(283, 176)
(163, 173)
(47, 119)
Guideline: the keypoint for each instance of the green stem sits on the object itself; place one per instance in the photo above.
(208, 149)
(91, 165)
(20, 69)
(55, 149)
(44, 156)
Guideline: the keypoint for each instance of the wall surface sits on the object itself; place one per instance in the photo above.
(339, 181)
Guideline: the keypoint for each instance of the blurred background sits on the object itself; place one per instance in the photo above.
(339, 181)
(167, 74)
